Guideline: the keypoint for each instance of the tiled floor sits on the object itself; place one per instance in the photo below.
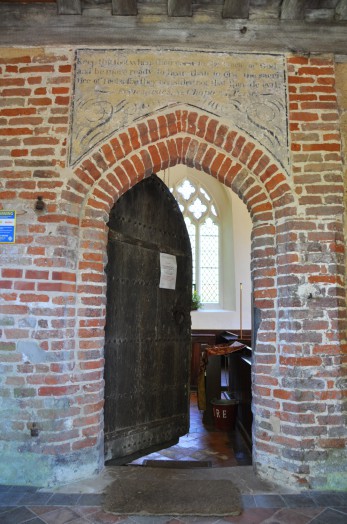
(81, 503)
(19, 506)
(221, 449)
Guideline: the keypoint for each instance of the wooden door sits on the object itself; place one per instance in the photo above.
(147, 342)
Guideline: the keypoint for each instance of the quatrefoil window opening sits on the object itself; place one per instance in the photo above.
(194, 201)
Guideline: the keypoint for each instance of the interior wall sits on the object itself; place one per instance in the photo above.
(236, 257)
(341, 89)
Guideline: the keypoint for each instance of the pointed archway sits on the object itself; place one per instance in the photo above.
(202, 142)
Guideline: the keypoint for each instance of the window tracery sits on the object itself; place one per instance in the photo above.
(203, 224)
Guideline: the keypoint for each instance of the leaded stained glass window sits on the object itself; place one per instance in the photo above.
(203, 224)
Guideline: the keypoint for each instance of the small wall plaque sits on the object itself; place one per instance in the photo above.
(7, 227)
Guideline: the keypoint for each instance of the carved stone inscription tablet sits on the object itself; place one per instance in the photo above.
(115, 87)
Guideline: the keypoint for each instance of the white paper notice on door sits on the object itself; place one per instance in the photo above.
(168, 271)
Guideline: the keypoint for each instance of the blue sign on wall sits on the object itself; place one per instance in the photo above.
(7, 227)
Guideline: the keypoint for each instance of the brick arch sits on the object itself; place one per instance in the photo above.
(188, 137)
(203, 143)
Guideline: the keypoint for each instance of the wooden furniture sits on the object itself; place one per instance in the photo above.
(197, 340)
(240, 388)
(239, 365)
(210, 337)
(213, 385)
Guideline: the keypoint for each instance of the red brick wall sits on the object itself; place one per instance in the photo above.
(307, 400)
(53, 283)
(341, 88)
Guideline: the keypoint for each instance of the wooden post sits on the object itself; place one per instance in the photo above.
(341, 10)
(124, 7)
(293, 10)
(235, 9)
(179, 8)
(69, 7)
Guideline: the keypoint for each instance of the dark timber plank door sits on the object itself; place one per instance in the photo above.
(147, 346)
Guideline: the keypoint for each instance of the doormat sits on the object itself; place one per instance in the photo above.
(177, 464)
(172, 497)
